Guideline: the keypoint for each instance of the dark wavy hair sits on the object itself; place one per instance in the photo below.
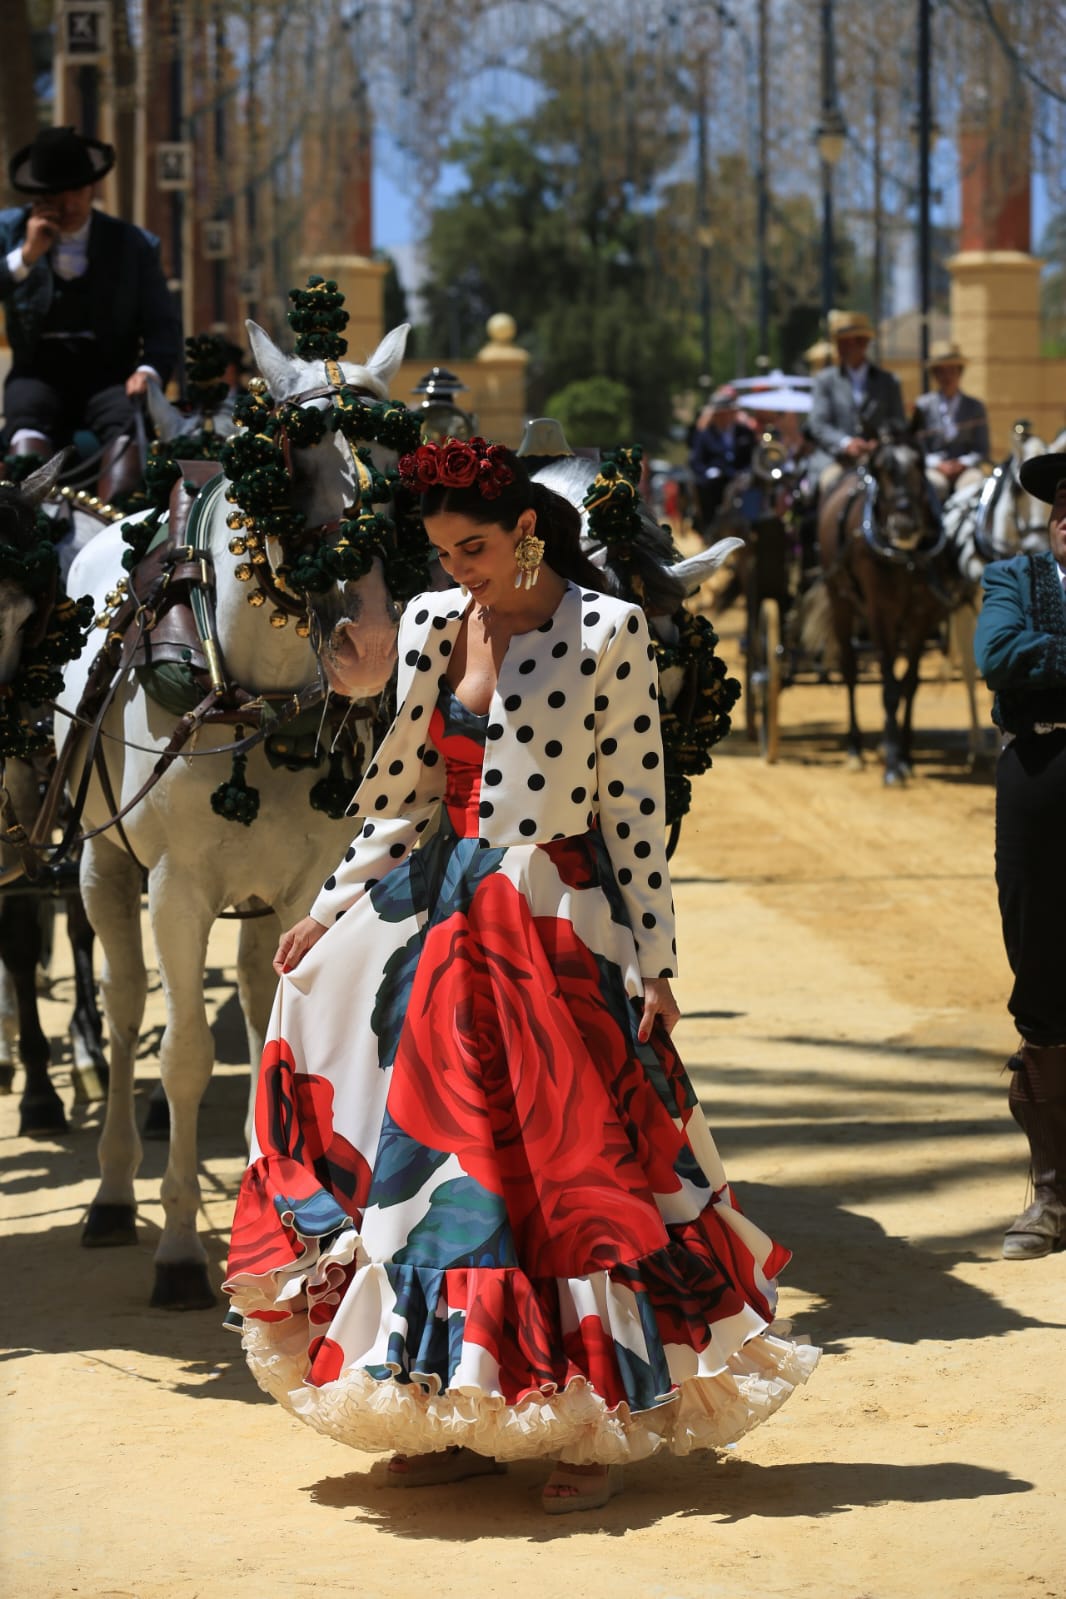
(558, 522)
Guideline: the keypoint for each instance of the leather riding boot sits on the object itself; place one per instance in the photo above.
(1038, 1104)
(120, 470)
(36, 444)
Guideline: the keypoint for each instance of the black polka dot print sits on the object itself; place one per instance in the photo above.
(395, 768)
(446, 646)
(527, 827)
(666, 972)
(647, 807)
(601, 702)
(650, 761)
(494, 730)
(349, 854)
(590, 722)
(577, 795)
(590, 597)
(537, 781)
(591, 619)
(421, 616)
(381, 802)
(560, 649)
(486, 808)
(642, 850)
(648, 920)
(492, 777)
(330, 884)
(411, 658)
(625, 876)
(368, 828)
(609, 746)
(527, 666)
(553, 748)
(633, 625)
(556, 699)
(623, 671)
(513, 702)
(588, 666)
(396, 850)
(424, 663)
(616, 788)
(431, 757)
(524, 734)
(642, 724)
(623, 830)
(416, 712)
(655, 879)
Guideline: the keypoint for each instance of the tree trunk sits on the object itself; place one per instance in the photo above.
(18, 109)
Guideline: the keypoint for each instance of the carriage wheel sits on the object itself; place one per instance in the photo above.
(766, 681)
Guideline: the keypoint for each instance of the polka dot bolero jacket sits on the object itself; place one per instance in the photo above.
(573, 735)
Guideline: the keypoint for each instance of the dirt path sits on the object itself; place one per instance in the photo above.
(843, 985)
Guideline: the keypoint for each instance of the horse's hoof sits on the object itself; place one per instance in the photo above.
(182, 1286)
(7, 1077)
(157, 1120)
(109, 1226)
(89, 1081)
(854, 763)
(42, 1114)
(895, 777)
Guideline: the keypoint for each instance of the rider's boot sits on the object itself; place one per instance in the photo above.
(120, 469)
(35, 444)
(1038, 1104)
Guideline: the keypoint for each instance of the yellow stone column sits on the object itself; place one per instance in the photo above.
(362, 282)
(995, 321)
(498, 379)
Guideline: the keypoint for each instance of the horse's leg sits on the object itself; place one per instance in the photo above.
(181, 922)
(40, 1108)
(963, 628)
(89, 1070)
(843, 622)
(256, 983)
(9, 1033)
(111, 894)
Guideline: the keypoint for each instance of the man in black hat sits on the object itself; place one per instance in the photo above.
(89, 314)
(1021, 652)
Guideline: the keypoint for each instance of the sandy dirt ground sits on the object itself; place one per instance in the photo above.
(843, 987)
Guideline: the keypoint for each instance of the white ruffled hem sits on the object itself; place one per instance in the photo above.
(573, 1424)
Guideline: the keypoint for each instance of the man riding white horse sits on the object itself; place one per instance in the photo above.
(89, 314)
(950, 427)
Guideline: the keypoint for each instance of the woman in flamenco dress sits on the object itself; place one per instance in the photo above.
(484, 1218)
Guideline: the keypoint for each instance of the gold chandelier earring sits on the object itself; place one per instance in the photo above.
(528, 554)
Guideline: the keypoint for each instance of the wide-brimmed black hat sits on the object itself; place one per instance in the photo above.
(59, 159)
(1041, 476)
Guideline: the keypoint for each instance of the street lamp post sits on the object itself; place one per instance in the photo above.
(925, 147)
(830, 137)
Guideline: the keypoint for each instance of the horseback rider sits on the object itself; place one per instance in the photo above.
(89, 314)
(950, 427)
(850, 401)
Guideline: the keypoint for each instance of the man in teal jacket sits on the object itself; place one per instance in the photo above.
(1021, 652)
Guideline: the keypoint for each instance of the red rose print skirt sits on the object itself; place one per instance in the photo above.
(478, 1211)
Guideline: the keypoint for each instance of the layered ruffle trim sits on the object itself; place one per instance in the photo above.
(574, 1424)
(669, 1352)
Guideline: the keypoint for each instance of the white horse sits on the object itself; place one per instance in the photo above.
(197, 863)
(990, 522)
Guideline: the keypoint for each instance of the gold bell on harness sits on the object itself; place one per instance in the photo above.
(303, 628)
(243, 573)
(257, 597)
(238, 546)
(279, 619)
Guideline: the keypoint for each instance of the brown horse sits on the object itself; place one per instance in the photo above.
(884, 565)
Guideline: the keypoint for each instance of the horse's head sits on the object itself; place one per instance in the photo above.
(1027, 517)
(353, 621)
(171, 424)
(28, 566)
(902, 507)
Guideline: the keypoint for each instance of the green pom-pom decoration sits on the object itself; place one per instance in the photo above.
(317, 318)
(235, 800)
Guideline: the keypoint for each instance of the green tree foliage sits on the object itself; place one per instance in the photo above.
(593, 411)
(559, 221)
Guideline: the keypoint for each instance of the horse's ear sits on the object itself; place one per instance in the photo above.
(385, 361)
(40, 484)
(167, 420)
(276, 368)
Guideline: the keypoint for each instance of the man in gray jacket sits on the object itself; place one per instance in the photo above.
(850, 400)
(950, 427)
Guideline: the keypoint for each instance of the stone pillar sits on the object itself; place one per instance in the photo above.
(362, 282)
(995, 321)
(501, 382)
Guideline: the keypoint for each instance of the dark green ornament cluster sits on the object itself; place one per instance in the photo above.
(318, 318)
(235, 800)
(39, 677)
(699, 717)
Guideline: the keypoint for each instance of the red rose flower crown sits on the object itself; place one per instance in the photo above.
(458, 464)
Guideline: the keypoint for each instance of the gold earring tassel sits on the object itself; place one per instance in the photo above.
(528, 554)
